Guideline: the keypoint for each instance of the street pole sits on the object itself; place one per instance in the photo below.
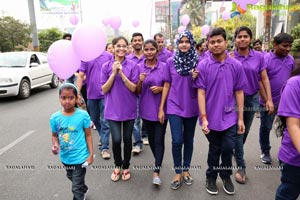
(35, 40)
(267, 25)
(169, 20)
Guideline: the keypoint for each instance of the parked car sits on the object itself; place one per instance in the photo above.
(20, 72)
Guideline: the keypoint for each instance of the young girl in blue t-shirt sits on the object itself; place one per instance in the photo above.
(71, 137)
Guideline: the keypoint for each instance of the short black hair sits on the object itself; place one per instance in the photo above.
(158, 34)
(243, 28)
(257, 41)
(217, 31)
(283, 37)
(67, 35)
(137, 34)
(198, 45)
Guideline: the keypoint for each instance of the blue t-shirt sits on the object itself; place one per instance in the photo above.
(70, 131)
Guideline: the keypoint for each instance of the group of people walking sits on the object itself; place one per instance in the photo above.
(222, 89)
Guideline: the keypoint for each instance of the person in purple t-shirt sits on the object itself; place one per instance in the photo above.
(90, 72)
(163, 53)
(150, 88)
(220, 86)
(253, 64)
(181, 100)
(119, 77)
(201, 49)
(289, 152)
(279, 65)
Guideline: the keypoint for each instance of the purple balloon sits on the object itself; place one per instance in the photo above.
(205, 29)
(74, 19)
(181, 29)
(115, 22)
(185, 20)
(88, 41)
(62, 59)
(135, 23)
(105, 21)
(226, 15)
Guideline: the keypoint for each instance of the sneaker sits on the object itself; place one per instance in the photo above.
(188, 179)
(211, 186)
(145, 141)
(228, 186)
(175, 184)
(105, 154)
(85, 193)
(266, 158)
(136, 149)
(156, 180)
(94, 127)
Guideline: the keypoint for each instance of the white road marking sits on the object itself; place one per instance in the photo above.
(15, 142)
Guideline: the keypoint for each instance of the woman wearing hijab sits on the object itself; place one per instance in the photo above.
(182, 110)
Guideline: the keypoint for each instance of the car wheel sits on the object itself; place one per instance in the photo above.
(54, 82)
(24, 89)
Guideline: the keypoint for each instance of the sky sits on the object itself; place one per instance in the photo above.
(93, 12)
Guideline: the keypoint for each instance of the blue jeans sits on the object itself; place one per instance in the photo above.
(156, 135)
(251, 105)
(221, 144)
(96, 111)
(137, 127)
(76, 174)
(266, 122)
(116, 135)
(289, 189)
(182, 131)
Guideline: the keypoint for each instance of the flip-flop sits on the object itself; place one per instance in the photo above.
(240, 178)
(126, 175)
(115, 176)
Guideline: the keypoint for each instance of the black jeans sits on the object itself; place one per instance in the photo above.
(76, 174)
(221, 144)
(116, 135)
(156, 136)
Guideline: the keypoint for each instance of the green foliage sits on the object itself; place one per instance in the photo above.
(14, 34)
(193, 8)
(296, 45)
(47, 37)
(296, 31)
(196, 32)
(231, 24)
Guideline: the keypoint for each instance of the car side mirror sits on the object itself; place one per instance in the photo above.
(34, 64)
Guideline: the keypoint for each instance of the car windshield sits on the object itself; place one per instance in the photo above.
(12, 60)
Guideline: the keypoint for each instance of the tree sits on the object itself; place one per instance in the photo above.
(13, 33)
(193, 8)
(47, 37)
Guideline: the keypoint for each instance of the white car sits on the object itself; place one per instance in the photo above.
(22, 71)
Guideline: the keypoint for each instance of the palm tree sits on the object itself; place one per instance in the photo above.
(193, 8)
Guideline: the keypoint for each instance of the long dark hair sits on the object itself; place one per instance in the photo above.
(280, 121)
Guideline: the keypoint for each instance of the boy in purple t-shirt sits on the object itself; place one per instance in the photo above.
(220, 86)
(289, 153)
(279, 65)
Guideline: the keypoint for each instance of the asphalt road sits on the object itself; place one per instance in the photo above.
(28, 169)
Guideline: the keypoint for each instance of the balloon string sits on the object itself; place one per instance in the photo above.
(222, 5)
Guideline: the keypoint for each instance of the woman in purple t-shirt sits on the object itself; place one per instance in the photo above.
(181, 100)
(150, 88)
(118, 79)
(289, 152)
(253, 64)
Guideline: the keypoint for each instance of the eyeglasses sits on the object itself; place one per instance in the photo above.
(70, 98)
(121, 46)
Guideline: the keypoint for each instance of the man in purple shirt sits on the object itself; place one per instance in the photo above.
(163, 53)
(289, 153)
(138, 57)
(91, 71)
(221, 100)
(279, 65)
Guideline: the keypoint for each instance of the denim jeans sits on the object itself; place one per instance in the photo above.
(137, 128)
(96, 111)
(251, 105)
(182, 131)
(116, 135)
(289, 189)
(76, 174)
(156, 135)
(266, 123)
(221, 144)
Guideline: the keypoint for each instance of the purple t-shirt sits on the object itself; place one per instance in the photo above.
(135, 58)
(92, 69)
(289, 106)
(164, 55)
(182, 98)
(253, 64)
(279, 70)
(202, 56)
(120, 102)
(220, 80)
(149, 102)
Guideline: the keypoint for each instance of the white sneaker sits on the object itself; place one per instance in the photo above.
(105, 154)
(145, 141)
(136, 149)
